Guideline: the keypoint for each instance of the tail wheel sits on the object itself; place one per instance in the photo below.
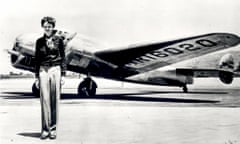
(185, 89)
(35, 90)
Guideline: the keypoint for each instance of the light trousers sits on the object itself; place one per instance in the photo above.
(50, 89)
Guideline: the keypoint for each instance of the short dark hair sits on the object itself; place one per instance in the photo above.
(48, 19)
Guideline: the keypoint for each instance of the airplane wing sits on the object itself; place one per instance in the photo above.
(147, 57)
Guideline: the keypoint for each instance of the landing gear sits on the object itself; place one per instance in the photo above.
(185, 89)
(87, 88)
(35, 90)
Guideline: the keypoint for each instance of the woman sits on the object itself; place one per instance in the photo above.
(50, 66)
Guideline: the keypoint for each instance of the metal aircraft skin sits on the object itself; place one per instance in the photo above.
(170, 63)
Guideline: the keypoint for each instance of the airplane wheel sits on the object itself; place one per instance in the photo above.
(87, 88)
(35, 90)
(185, 89)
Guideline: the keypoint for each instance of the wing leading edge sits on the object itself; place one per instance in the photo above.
(147, 57)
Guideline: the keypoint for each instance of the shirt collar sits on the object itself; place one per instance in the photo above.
(53, 33)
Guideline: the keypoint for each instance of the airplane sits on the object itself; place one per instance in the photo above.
(169, 63)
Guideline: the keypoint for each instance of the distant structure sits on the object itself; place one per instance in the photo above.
(13, 75)
(16, 75)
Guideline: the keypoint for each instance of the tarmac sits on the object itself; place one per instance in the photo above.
(123, 113)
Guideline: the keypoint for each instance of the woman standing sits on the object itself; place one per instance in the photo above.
(50, 66)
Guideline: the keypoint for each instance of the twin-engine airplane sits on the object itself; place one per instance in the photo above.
(171, 63)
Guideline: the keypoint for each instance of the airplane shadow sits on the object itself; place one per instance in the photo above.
(123, 97)
(150, 99)
(30, 134)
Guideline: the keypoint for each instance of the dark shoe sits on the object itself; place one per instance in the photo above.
(44, 135)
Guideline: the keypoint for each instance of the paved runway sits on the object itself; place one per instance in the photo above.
(126, 113)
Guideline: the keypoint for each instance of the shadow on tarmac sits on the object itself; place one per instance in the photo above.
(121, 96)
(30, 134)
(150, 99)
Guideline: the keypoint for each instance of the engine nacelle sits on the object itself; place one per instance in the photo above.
(226, 77)
(227, 64)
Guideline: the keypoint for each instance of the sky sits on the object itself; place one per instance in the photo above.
(118, 22)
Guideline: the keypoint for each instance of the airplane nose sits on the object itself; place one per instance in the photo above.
(18, 58)
(23, 48)
(25, 44)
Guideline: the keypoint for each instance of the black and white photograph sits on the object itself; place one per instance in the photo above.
(120, 72)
